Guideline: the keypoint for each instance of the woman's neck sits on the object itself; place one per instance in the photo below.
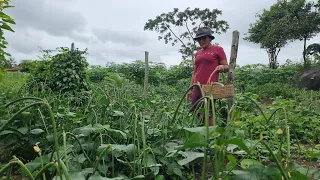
(209, 46)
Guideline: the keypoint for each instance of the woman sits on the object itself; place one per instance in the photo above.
(208, 59)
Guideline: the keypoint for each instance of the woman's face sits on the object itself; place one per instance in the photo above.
(204, 42)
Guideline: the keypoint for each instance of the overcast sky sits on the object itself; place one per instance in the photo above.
(113, 30)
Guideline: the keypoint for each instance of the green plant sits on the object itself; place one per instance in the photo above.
(68, 71)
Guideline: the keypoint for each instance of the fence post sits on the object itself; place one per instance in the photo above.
(146, 73)
(232, 64)
(72, 47)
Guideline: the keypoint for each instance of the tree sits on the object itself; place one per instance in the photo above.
(313, 49)
(305, 22)
(271, 31)
(4, 25)
(190, 20)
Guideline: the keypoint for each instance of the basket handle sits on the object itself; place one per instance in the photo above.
(208, 82)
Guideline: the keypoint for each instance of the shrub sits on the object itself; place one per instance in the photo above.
(68, 71)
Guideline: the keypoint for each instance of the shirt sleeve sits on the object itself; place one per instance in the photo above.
(222, 54)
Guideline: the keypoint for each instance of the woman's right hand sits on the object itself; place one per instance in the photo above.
(189, 95)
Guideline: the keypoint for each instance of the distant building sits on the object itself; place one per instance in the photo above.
(14, 69)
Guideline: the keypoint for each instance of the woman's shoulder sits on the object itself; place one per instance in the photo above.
(217, 47)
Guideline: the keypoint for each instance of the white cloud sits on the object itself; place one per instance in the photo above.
(113, 30)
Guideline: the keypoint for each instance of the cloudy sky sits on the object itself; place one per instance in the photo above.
(112, 30)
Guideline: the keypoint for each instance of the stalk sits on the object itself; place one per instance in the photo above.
(99, 158)
(16, 114)
(45, 126)
(144, 143)
(204, 168)
(65, 147)
(15, 160)
(9, 173)
(21, 99)
(277, 161)
(44, 169)
(75, 137)
(55, 133)
(176, 112)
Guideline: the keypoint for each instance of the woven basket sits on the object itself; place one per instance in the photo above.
(218, 90)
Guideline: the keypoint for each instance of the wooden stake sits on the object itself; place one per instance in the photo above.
(72, 47)
(232, 64)
(146, 73)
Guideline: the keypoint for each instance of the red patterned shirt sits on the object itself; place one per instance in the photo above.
(206, 61)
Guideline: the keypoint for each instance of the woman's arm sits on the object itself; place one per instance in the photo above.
(223, 67)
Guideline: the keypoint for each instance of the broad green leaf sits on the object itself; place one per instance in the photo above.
(298, 176)
(196, 140)
(78, 175)
(98, 177)
(139, 177)
(23, 130)
(6, 132)
(245, 163)
(170, 146)
(201, 130)
(118, 113)
(177, 171)
(256, 171)
(189, 156)
(240, 133)
(237, 142)
(243, 176)
(152, 164)
(108, 128)
(160, 177)
(272, 172)
(85, 130)
(231, 158)
(36, 131)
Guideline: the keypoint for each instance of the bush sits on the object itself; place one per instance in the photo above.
(68, 71)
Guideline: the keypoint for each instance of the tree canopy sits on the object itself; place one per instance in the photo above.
(284, 22)
(187, 21)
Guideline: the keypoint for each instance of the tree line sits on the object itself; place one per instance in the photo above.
(277, 26)
(282, 23)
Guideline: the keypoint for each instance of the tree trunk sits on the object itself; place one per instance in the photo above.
(272, 58)
(305, 51)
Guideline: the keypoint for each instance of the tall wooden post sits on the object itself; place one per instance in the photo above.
(146, 73)
(232, 64)
(72, 47)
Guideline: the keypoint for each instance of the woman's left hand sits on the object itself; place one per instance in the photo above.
(221, 68)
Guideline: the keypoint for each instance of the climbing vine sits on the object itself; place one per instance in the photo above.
(68, 70)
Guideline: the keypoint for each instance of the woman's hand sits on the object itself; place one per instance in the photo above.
(189, 95)
(222, 68)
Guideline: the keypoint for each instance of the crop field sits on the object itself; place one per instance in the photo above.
(108, 128)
